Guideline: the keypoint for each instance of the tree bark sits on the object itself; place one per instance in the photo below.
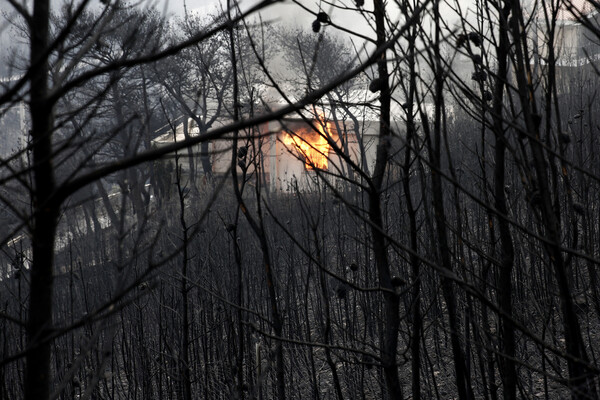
(39, 324)
(391, 320)
(508, 372)
(581, 379)
(465, 391)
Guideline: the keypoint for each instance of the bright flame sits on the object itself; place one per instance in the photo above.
(311, 145)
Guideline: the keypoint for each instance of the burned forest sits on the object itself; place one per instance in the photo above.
(298, 199)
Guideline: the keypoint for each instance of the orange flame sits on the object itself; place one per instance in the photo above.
(311, 145)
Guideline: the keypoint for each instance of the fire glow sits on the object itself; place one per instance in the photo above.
(311, 145)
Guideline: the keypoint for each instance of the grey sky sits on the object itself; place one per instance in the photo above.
(285, 11)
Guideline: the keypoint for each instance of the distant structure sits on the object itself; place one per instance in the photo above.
(290, 153)
(13, 130)
(13, 126)
(577, 53)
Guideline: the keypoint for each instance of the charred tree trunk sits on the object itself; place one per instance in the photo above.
(581, 378)
(45, 208)
(508, 372)
(184, 362)
(257, 227)
(463, 384)
(391, 319)
(417, 323)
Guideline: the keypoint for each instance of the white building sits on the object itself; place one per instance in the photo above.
(574, 45)
(292, 151)
(13, 130)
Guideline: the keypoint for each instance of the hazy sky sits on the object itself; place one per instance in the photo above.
(289, 13)
(286, 11)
